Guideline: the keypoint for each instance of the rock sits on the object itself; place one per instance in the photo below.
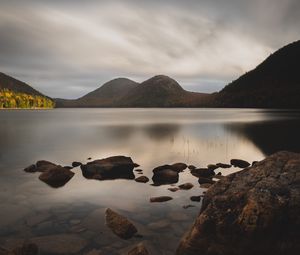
(205, 185)
(56, 176)
(254, 211)
(26, 249)
(191, 167)
(76, 164)
(187, 206)
(173, 189)
(254, 163)
(202, 172)
(89, 158)
(60, 244)
(178, 167)
(160, 199)
(212, 167)
(165, 176)
(203, 180)
(119, 225)
(195, 198)
(138, 170)
(142, 179)
(239, 163)
(117, 167)
(222, 165)
(43, 165)
(186, 186)
(140, 249)
(30, 169)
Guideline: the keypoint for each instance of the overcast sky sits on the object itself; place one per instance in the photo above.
(66, 48)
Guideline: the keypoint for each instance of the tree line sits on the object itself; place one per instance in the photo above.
(11, 99)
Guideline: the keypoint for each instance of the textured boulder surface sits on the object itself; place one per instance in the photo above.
(254, 211)
(117, 167)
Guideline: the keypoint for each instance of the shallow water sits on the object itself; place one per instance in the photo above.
(151, 137)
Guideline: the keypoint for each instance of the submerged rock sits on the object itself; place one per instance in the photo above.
(140, 249)
(117, 167)
(186, 186)
(76, 164)
(56, 176)
(142, 179)
(160, 199)
(254, 211)
(119, 225)
(239, 163)
(195, 198)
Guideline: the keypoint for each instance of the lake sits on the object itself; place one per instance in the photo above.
(151, 137)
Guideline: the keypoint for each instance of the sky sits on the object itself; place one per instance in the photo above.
(67, 48)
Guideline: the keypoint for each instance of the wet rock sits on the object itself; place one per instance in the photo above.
(186, 186)
(203, 172)
(212, 167)
(89, 158)
(30, 169)
(142, 179)
(76, 164)
(191, 167)
(160, 199)
(254, 163)
(140, 249)
(173, 189)
(222, 165)
(138, 170)
(165, 176)
(195, 198)
(56, 176)
(43, 165)
(205, 185)
(68, 167)
(178, 167)
(60, 244)
(254, 211)
(188, 206)
(117, 167)
(239, 163)
(119, 225)
(203, 180)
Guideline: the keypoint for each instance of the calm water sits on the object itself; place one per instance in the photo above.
(151, 137)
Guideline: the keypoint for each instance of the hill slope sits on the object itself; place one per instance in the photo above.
(275, 83)
(17, 94)
(107, 95)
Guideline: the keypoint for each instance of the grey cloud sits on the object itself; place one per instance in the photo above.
(67, 48)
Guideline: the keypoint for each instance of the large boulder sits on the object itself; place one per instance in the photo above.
(254, 211)
(117, 167)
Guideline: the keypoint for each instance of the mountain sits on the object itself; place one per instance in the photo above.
(17, 94)
(108, 95)
(160, 91)
(12, 84)
(275, 83)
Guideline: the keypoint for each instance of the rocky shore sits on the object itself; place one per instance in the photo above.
(252, 211)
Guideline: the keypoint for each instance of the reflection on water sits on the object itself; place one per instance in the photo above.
(151, 137)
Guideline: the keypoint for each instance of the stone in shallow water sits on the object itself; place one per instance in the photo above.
(142, 179)
(60, 244)
(195, 198)
(222, 165)
(239, 163)
(203, 172)
(165, 176)
(173, 189)
(186, 186)
(203, 180)
(117, 167)
(160, 199)
(56, 176)
(119, 225)
(76, 164)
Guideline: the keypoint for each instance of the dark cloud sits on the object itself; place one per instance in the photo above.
(67, 48)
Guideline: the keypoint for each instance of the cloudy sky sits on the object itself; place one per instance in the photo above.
(66, 48)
